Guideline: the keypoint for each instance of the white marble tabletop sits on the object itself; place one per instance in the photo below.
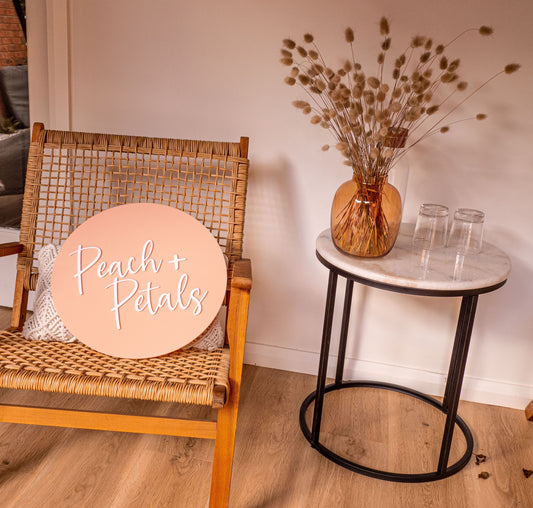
(436, 270)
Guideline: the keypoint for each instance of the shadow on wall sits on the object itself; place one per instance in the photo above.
(289, 291)
(283, 262)
(506, 315)
(468, 166)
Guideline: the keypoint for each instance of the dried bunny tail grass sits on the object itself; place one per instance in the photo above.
(486, 30)
(358, 110)
(329, 73)
(369, 97)
(384, 28)
(510, 68)
(483, 30)
(325, 148)
(417, 41)
(454, 65)
(289, 43)
(357, 92)
(448, 77)
(300, 104)
(395, 107)
(349, 35)
(373, 82)
(320, 84)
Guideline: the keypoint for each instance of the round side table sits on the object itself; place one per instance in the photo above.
(439, 273)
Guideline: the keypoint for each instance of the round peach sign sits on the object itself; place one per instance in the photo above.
(139, 280)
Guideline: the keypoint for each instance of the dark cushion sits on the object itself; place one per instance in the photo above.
(14, 85)
(10, 211)
(13, 159)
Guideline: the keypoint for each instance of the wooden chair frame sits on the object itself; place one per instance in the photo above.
(205, 162)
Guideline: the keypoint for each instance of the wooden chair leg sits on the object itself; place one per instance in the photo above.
(20, 303)
(237, 320)
(223, 457)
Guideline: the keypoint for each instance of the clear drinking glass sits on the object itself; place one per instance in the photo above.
(431, 227)
(466, 234)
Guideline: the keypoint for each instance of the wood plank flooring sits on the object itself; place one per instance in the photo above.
(274, 465)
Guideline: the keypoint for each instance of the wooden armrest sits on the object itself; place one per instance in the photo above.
(242, 275)
(7, 249)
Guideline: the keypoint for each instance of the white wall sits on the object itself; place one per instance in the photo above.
(209, 69)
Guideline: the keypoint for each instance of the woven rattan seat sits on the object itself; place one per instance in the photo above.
(72, 176)
(187, 376)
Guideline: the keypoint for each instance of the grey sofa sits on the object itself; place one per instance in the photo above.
(14, 147)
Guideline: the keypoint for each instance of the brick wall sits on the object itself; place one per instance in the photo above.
(12, 42)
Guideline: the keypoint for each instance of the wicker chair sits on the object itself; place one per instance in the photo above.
(207, 180)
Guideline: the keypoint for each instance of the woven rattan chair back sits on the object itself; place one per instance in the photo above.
(72, 176)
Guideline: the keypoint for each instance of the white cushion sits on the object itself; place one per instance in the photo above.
(45, 323)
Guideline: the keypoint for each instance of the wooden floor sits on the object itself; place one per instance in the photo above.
(274, 465)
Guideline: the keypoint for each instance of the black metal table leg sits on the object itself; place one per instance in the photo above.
(324, 352)
(455, 376)
(344, 331)
(448, 406)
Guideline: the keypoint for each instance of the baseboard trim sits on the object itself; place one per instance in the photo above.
(485, 391)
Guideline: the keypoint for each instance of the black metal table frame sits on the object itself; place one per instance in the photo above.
(452, 391)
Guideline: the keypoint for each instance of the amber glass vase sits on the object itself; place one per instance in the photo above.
(366, 217)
